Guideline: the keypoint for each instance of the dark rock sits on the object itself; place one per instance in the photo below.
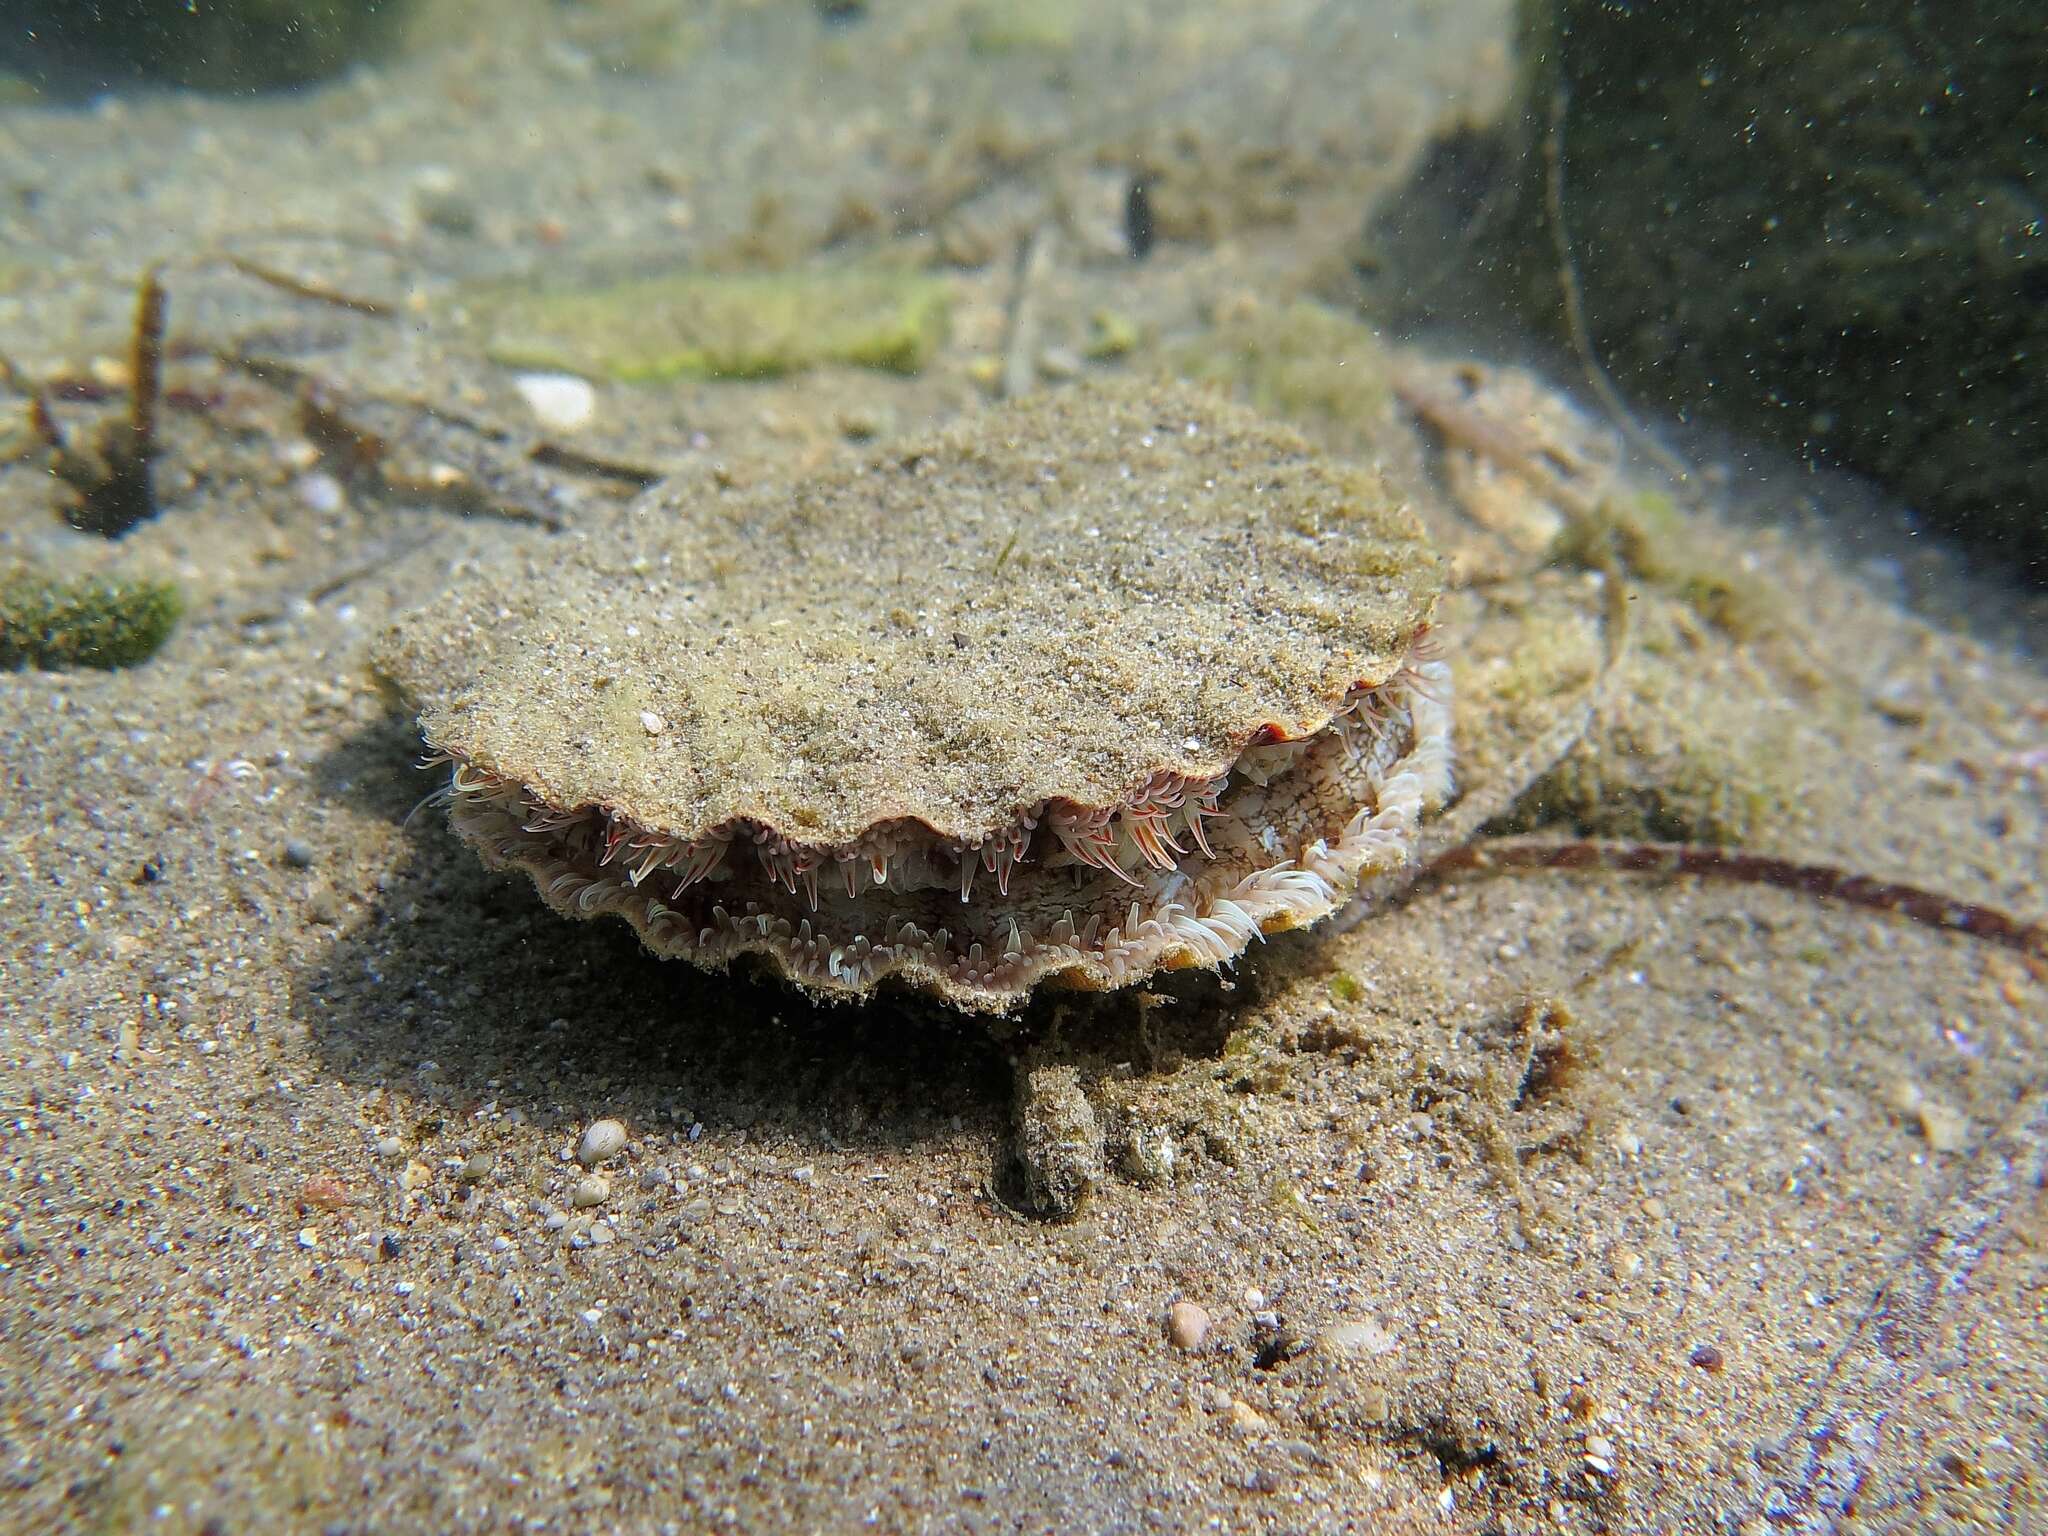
(1820, 223)
(225, 45)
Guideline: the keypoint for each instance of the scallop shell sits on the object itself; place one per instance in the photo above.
(1113, 679)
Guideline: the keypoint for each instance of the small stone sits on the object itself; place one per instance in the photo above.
(390, 1149)
(308, 1238)
(321, 492)
(1058, 1142)
(652, 723)
(441, 203)
(1946, 1130)
(110, 1359)
(1707, 1357)
(299, 855)
(323, 1192)
(1187, 1325)
(1246, 1419)
(592, 1190)
(602, 1141)
(389, 1247)
(476, 1168)
(1146, 1157)
(600, 1234)
(559, 401)
(1364, 1337)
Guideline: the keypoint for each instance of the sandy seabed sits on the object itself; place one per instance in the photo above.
(1533, 1203)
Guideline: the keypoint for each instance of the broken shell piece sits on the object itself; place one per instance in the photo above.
(560, 402)
(1110, 680)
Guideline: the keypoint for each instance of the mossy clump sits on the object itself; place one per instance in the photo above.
(93, 621)
(1005, 28)
(1684, 794)
(712, 325)
(1304, 362)
(1679, 754)
(1653, 539)
(224, 45)
(1111, 335)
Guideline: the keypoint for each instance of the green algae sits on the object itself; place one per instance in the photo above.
(1005, 28)
(1305, 362)
(1111, 335)
(93, 621)
(716, 325)
(1680, 754)
(1654, 539)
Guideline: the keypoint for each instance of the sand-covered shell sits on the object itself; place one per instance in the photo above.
(1109, 680)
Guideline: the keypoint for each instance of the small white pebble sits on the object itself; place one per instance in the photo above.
(652, 723)
(602, 1141)
(559, 401)
(1364, 1337)
(593, 1190)
(308, 1238)
(321, 492)
(390, 1149)
(600, 1234)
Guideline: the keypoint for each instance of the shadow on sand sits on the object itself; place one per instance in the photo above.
(463, 987)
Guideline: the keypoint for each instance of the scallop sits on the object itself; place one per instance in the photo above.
(1108, 680)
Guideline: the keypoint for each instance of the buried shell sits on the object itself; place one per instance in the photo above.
(1111, 680)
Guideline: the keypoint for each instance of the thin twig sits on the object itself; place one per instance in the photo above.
(309, 288)
(1575, 309)
(145, 366)
(1020, 345)
(1707, 862)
